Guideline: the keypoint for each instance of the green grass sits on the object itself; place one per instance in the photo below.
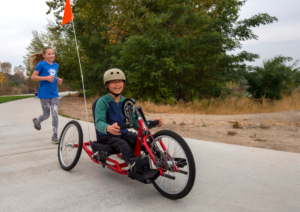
(4, 99)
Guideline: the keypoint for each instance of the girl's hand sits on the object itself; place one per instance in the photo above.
(50, 78)
(59, 81)
(113, 129)
(160, 122)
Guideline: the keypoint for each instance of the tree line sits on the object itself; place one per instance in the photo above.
(12, 77)
(168, 49)
(6, 67)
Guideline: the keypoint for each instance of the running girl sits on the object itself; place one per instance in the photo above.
(45, 71)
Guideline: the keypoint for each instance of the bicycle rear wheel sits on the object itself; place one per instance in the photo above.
(178, 154)
(70, 145)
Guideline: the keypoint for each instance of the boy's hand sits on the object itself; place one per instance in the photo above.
(160, 122)
(59, 81)
(113, 129)
(50, 78)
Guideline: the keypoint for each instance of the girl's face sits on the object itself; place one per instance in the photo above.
(115, 86)
(49, 55)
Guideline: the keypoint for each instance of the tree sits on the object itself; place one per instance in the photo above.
(92, 23)
(2, 79)
(273, 78)
(19, 71)
(6, 67)
(65, 53)
(159, 44)
(184, 43)
(37, 44)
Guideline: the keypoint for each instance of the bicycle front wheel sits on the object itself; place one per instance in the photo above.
(172, 152)
(70, 145)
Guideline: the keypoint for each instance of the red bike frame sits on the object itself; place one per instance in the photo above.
(115, 165)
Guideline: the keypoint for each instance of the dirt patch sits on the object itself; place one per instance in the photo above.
(279, 131)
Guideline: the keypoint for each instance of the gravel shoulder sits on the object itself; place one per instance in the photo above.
(278, 131)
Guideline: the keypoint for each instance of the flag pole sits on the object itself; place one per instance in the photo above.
(81, 80)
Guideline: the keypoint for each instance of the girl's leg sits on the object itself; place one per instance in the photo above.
(54, 111)
(46, 111)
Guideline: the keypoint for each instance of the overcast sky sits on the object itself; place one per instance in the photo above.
(282, 37)
(19, 17)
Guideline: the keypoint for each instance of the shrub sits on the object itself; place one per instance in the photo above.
(273, 79)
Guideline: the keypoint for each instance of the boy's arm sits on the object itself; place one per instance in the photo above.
(100, 116)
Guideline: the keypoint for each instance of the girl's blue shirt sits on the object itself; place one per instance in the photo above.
(47, 90)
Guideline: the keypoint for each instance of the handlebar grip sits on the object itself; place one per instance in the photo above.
(124, 126)
(153, 123)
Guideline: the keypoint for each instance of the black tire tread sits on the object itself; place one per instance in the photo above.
(79, 148)
(191, 161)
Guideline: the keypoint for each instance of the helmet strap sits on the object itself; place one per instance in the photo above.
(116, 95)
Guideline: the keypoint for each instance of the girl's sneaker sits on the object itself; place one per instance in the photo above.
(35, 125)
(55, 139)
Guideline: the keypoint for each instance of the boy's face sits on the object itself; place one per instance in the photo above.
(115, 86)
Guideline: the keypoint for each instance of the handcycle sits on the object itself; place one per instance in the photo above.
(171, 168)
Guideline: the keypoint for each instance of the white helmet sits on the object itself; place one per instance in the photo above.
(113, 74)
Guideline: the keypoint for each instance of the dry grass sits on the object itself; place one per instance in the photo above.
(283, 132)
(228, 106)
(237, 125)
(182, 123)
(63, 115)
(17, 90)
(261, 140)
(297, 124)
(231, 133)
(263, 126)
(12, 91)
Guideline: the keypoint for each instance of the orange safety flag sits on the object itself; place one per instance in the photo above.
(68, 16)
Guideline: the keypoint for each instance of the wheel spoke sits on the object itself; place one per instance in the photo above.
(67, 151)
(174, 149)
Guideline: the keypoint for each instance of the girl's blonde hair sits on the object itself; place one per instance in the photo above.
(35, 58)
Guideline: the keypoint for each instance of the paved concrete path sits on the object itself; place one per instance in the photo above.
(229, 177)
(62, 93)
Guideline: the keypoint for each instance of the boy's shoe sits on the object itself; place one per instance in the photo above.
(131, 166)
(55, 139)
(35, 125)
(138, 164)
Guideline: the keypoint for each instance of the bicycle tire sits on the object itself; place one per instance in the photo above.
(66, 146)
(187, 187)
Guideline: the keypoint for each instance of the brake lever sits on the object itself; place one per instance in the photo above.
(139, 109)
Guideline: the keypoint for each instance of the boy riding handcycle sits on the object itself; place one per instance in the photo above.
(163, 158)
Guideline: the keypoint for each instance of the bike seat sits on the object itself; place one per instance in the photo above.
(96, 146)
